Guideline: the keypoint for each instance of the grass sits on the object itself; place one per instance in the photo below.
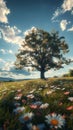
(54, 91)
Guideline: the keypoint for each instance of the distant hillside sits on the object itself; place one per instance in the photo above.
(11, 79)
(6, 79)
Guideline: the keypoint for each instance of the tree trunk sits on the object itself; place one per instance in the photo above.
(42, 75)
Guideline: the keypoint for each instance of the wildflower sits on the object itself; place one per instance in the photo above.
(70, 98)
(55, 121)
(52, 86)
(18, 96)
(60, 103)
(36, 127)
(58, 88)
(49, 92)
(24, 101)
(18, 110)
(26, 117)
(30, 96)
(19, 90)
(35, 105)
(63, 89)
(44, 106)
(69, 108)
(66, 93)
(32, 91)
(40, 89)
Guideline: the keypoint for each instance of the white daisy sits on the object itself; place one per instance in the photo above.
(30, 96)
(17, 98)
(32, 91)
(54, 120)
(26, 117)
(44, 106)
(70, 99)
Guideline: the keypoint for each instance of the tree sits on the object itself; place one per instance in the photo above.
(71, 72)
(65, 75)
(42, 51)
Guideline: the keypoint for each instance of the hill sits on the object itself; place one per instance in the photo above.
(23, 103)
(6, 79)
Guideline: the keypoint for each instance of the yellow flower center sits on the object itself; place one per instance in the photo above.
(54, 122)
(26, 118)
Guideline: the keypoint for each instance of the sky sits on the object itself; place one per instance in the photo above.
(17, 16)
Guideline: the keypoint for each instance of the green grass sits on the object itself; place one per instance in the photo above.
(57, 100)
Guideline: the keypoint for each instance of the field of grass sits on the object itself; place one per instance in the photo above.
(37, 104)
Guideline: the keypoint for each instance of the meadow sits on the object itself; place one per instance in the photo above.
(37, 104)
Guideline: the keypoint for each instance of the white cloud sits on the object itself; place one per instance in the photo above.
(63, 24)
(71, 58)
(66, 6)
(17, 76)
(56, 13)
(3, 51)
(72, 12)
(10, 51)
(4, 11)
(33, 29)
(8, 66)
(71, 68)
(7, 75)
(1, 60)
(9, 71)
(0, 35)
(70, 29)
(11, 34)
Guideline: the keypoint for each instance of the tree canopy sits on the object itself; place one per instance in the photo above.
(71, 72)
(42, 50)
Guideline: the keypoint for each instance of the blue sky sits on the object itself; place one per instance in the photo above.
(17, 16)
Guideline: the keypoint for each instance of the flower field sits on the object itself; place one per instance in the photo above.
(37, 104)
